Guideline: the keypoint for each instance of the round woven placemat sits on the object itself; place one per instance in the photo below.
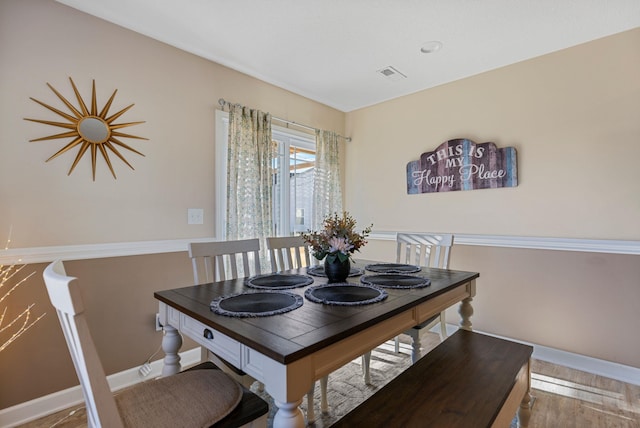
(395, 280)
(392, 268)
(278, 281)
(256, 304)
(345, 294)
(319, 271)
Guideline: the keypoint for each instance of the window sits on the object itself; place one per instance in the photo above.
(292, 178)
(292, 182)
(300, 216)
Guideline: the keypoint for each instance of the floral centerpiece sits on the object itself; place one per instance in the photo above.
(336, 242)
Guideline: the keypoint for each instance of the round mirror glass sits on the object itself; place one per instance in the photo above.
(93, 129)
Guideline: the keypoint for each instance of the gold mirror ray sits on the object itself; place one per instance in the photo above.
(58, 124)
(124, 146)
(83, 106)
(89, 129)
(107, 106)
(65, 101)
(117, 153)
(81, 152)
(69, 146)
(118, 114)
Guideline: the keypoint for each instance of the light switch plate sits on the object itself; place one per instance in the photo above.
(195, 216)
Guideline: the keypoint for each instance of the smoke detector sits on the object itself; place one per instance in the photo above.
(431, 47)
(392, 73)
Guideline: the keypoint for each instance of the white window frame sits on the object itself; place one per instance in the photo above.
(285, 135)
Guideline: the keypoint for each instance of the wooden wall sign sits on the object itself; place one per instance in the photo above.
(461, 164)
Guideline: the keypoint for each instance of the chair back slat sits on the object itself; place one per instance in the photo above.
(424, 249)
(288, 252)
(65, 296)
(218, 260)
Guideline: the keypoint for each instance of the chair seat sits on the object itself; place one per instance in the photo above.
(250, 408)
(210, 395)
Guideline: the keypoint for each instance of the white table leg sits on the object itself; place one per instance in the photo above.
(524, 412)
(171, 343)
(366, 363)
(416, 344)
(311, 414)
(465, 311)
(324, 405)
(288, 415)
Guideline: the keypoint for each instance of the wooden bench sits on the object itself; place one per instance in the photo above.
(469, 380)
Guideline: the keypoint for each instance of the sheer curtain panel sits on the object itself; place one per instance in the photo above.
(249, 174)
(327, 191)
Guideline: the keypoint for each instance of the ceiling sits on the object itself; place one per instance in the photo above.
(331, 50)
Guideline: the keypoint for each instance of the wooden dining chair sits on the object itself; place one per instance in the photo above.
(292, 252)
(420, 249)
(288, 252)
(218, 261)
(202, 396)
(429, 250)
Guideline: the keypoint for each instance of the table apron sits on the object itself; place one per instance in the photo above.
(426, 310)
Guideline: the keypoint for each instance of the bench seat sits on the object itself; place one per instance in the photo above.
(469, 380)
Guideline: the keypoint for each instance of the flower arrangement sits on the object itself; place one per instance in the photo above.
(338, 238)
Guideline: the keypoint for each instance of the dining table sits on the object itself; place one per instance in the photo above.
(309, 334)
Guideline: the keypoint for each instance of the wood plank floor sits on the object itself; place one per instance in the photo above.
(574, 399)
(564, 398)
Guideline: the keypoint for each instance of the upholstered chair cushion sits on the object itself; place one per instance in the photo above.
(209, 396)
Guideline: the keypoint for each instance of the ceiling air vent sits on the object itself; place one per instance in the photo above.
(392, 74)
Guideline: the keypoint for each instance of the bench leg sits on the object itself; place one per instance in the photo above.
(524, 412)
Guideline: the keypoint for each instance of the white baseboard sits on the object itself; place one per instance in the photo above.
(52, 403)
(583, 363)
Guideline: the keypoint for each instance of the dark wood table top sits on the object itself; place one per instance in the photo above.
(293, 335)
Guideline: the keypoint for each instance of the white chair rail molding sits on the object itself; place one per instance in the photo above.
(96, 251)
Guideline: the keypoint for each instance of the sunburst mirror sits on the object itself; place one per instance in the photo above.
(89, 129)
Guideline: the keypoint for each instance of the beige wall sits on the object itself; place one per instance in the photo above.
(584, 303)
(176, 93)
(574, 118)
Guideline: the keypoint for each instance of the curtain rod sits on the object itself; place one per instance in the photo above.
(224, 103)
